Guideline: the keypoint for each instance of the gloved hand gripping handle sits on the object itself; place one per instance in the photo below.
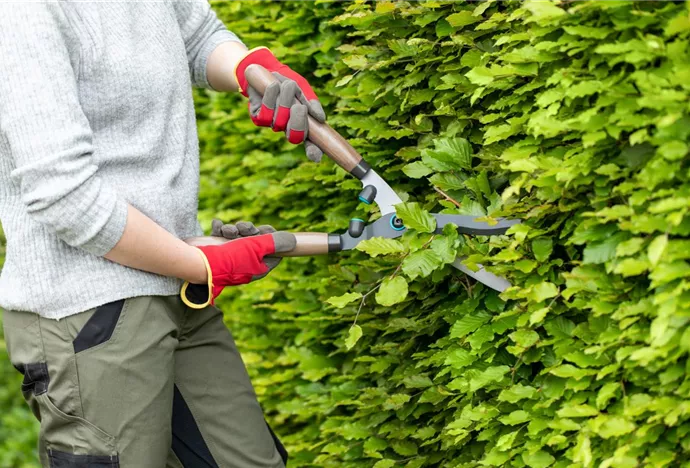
(322, 135)
(308, 243)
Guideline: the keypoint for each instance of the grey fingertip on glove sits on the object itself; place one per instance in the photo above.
(241, 229)
(283, 241)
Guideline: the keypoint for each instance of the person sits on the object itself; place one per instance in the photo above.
(99, 174)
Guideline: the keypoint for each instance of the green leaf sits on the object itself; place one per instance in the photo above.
(505, 442)
(629, 247)
(568, 370)
(392, 291)
(542, 248)
(356, 62)
(405, 448)
(462, 18)
(481, 336)
(673, 150)
(397, 401)
(542, 291)
(516, 393)
(602, 252)
(587, 31)
(448, 181)
(353, 336)
(448, 154)
(525, 338)
(631, 267)
(606, 393)
(417, 381)
(491, 374)
(460, 358)
(480, 76)
(539, 459)
(538, 315)
(414, 217)
(385, 463)
(468, 324)
(612, 426)
(577, 411)
(443, 28)
(583, 450)
(374, 444)
(445, 247)
(421, 263)
(542, 10)
(657, 248)
(381, 246)
(417, 170)
(385, 6)
(345, 299)
(516, 417)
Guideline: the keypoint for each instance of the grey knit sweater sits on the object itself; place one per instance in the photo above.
(96, 112)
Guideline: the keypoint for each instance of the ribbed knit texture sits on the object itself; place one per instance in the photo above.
(96, 112)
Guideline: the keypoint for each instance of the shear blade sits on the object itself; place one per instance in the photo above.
(386, 197)
(497, 283)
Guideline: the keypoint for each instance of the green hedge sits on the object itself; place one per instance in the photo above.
(573, 117)
(18, 427)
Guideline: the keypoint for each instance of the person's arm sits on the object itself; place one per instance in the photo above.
(50, 140)
(145, 245)
(205, 36)
(220, 69)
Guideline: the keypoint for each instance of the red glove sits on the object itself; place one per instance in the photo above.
(277, 108)
(233, 263)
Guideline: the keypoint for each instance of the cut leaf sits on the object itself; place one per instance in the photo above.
(392, 291)
(353, 336)
(345, 299)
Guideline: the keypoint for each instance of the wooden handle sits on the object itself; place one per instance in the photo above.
(308, 244)
(322, 135)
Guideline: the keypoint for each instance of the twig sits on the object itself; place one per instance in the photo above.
(361, 304)
(364, 297)
(465, 282)
(447, 197)
(519, 361)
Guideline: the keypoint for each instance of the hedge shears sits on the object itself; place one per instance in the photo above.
(374, 190)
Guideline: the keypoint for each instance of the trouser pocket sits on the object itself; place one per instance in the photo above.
(65, 440)
(69, 460)
(41, 350)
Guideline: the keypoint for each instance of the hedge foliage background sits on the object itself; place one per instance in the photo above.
(574, 117)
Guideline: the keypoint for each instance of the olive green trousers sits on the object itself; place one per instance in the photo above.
(143, 383)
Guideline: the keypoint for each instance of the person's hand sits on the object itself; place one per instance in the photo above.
(236, 262)
(245, 229)
(277, 107)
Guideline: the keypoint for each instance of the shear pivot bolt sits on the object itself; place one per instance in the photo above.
(397, 224)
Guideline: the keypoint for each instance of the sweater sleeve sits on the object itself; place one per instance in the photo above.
(49, 137)
(202, 32)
